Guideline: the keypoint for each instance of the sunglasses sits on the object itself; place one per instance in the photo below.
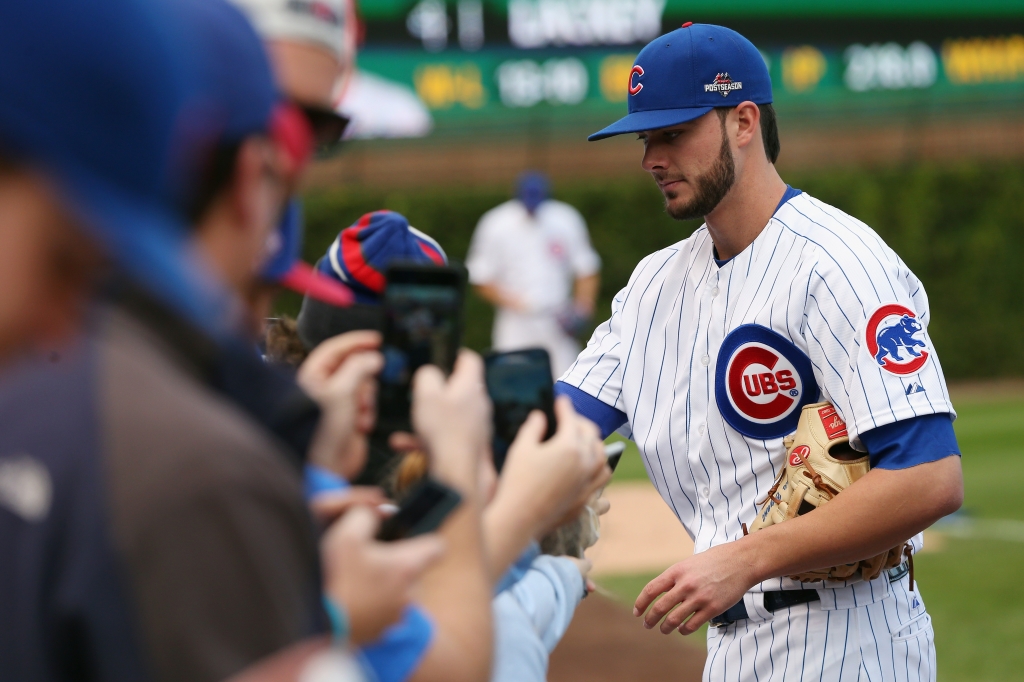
(328, 128)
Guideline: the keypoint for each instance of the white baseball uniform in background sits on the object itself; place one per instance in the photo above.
(711, 365)
(536, 259)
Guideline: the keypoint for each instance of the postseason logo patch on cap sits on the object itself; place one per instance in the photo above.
(723, 84)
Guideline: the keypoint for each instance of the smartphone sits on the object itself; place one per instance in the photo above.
(422, 325)
(518, 382)
(424, 508)
(613, 451)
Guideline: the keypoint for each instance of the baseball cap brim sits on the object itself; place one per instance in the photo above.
(304, 279)
(649, 120)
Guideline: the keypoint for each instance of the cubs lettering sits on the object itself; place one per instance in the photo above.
(760, 382)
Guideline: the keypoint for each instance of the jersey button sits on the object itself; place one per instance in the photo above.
(700, 429)
(714, 292)
(707, 493)
(706, 360)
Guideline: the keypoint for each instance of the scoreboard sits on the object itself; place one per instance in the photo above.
(476, 66)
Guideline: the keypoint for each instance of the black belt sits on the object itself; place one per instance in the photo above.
(784, 599)
(773, 601)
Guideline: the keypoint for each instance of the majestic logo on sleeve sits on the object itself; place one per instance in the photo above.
(892, 339)
(723, 84)
(762, 380)
(637, 71)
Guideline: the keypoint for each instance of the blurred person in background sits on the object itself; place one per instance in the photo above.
(158, 531)
(310, 49)
(531, 258)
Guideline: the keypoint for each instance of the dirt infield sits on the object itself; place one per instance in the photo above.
(640, 534)
(605, 643)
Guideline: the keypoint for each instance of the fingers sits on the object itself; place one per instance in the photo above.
(358, 368)
(468, 370)
(327, 507)
(678, 614)
(601, 506)
(584, 565)
(403, 441)
(532, 430)
(356, 527)
(665, 603)
(696, 620)
(325, 359)
(428, 381)
(565, 413)
(414, 556)
(654, 588)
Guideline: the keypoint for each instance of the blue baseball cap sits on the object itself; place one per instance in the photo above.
(238, 84)
(360, 255)
(684, 74)
(532, 189)
(102, 97)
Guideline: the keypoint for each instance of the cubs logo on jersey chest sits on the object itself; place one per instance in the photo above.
(761, 381)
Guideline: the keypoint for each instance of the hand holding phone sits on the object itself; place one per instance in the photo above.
(518, 383)
(373, 581)
(422, 325)
(423, 510)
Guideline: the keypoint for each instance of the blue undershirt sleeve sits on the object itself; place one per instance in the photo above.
(605, 416)
(396, 655)
(910, 442)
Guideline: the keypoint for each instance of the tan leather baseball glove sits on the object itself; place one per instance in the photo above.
(820, 464)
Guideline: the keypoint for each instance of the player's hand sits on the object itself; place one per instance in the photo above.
(698, 588)
(549, 482)
(372, 580)
(339, 376)
(453, 419)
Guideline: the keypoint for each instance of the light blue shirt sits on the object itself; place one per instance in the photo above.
(531, 616)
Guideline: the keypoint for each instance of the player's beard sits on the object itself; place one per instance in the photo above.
(708, 189)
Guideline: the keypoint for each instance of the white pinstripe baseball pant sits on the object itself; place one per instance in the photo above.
(890, 640)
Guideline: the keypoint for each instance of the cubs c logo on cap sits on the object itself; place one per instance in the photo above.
(762, 380)
(637, 71)
(891, 336)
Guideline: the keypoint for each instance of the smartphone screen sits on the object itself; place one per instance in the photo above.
(422, 511)
(422, 325)
(518, 383)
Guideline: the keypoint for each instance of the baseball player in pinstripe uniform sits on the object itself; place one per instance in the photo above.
(714, 347)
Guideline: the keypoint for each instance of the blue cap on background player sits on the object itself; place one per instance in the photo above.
(684, 74)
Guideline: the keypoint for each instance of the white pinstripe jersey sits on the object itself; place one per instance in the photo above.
(711, 365)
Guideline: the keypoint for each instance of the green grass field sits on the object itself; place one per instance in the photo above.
(974, 586)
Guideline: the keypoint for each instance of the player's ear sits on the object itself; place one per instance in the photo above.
(748, 123)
